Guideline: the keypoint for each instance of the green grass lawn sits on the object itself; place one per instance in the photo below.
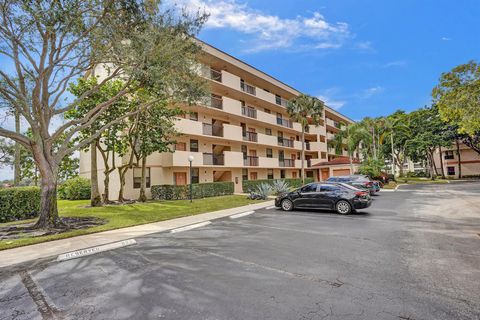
(120, 216)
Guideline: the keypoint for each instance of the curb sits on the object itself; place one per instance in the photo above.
(54, 248)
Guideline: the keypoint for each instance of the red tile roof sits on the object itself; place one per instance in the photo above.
(336, 161)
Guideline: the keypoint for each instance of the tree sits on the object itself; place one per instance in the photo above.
(352, 136)
(458, 98)
(372, 167)
(7, 153)
(107, 143)
(154, 132)
(52, 43)
(305, 110)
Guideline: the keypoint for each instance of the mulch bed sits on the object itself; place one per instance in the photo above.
(24, 230)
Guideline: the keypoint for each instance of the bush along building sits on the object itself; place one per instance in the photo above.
(241, 133)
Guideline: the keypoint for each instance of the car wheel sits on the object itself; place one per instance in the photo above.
(343, 207)
(287, 205)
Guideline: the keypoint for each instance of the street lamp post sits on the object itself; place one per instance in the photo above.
(190, 159)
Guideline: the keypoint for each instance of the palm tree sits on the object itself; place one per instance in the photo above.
(352, 136)
(305, 110)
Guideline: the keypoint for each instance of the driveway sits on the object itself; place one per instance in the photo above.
(415, 254)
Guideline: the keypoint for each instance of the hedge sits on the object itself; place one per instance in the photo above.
(199, 190)
(19, 203)
(77, 188)
(251, 185)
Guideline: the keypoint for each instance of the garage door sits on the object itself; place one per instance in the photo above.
(341, 172)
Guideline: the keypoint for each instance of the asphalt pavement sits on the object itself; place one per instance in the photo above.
(415, 254)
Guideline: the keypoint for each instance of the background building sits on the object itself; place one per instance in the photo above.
(469, 161)
(241, 132)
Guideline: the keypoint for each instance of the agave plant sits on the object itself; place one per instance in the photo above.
(261, 192)
(279, 186)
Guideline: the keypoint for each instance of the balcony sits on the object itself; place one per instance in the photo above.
(245, 87)
(281, 102)
(284, 122)
(213, 130)
(214, 102)
(287, 163)
(250, 136)
(210, 159)
(283, 142)
(250, 161)
(210, 73)
(249, 112)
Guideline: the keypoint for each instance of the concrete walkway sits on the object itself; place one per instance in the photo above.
(53, 248)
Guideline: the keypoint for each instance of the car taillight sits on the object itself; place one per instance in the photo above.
(360, 193)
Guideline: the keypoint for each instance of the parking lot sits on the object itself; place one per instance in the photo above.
(414, 254)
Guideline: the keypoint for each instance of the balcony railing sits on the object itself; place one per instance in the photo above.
(214, 102)
(216, 75)
(290, 163)
(250, 161)
(247, 88)
(309, 163)
(284, 122)
(211, 159)
(250, 136)
(249, 112)
(307, 145)
(212, 130)
(283, 142)
(281, 102)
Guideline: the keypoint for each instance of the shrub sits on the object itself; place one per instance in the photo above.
(19, 203)
(199, 190)
(77, 188)
(262, 192)
(251, 185)
(279, 187)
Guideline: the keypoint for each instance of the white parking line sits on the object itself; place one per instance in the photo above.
(190, 227)
(243, 214)
(271, 207)
(93, 250)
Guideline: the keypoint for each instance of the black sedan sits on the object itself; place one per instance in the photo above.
(340, 197)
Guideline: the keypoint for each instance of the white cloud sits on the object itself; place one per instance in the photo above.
(332, 103)
(367, 93)
(364, 46)
(398, 63)
(267, 31)
(446, 39)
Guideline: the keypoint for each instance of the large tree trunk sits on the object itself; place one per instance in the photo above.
(106, 174)
(441, 162)
(16, 165)
(393, 155)
(143, 184)
(459, 160)
(303, 155)
(95, 199)
(48, 217)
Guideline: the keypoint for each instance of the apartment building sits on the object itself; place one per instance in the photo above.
(240, 132)
(469, 161)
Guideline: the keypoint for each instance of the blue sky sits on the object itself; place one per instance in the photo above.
(365, 58)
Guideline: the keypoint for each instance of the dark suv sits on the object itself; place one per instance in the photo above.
(340, 197)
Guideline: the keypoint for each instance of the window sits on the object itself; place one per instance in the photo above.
(195, 175)
(194, 116)
(269, 153)
(327, 188)
(253, 176)
(451, 171)
(244, 151)
(282, 174)
(268, 131)
(194, 145)
(137, 177)
(181, 146)
(270, 174)
(294, 175)
(312, 187)
(267, 111)
(448, 155)
(244, 174)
